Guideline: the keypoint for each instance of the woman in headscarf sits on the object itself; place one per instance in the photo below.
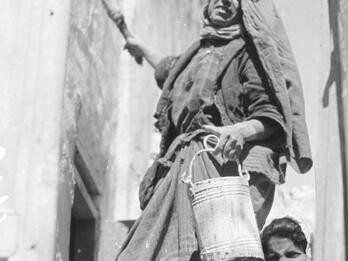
(286, 239)
(239, 82)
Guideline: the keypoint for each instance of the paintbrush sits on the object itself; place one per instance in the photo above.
(113, 9)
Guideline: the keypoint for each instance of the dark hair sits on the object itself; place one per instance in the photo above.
(287, 228)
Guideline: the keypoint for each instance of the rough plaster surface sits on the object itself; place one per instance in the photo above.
(32, 60)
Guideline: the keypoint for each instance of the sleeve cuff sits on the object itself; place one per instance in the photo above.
(270, 116)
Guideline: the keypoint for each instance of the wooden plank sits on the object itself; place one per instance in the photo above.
(338, 20)
(329, 235)
(85, 207)
(84, 165)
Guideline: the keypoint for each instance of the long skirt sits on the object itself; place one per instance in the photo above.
(166, 231)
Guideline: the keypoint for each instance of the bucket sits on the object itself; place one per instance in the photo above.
(224, 216)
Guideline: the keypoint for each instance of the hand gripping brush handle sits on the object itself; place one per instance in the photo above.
(114, 12)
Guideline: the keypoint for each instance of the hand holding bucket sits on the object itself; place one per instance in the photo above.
(213, 140)
(231, 139)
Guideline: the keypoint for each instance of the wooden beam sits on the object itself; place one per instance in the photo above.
(84, 165)
(86, 208)
(342, 18)
(339, 25)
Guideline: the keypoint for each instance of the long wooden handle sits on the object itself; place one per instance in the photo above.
(117, 16)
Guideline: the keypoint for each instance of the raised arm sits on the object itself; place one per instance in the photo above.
(137, 49)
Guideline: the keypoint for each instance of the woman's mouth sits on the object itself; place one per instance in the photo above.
(224, 10)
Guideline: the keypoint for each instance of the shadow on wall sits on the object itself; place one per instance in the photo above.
(331, 79)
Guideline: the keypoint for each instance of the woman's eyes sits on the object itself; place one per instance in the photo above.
(275, 257)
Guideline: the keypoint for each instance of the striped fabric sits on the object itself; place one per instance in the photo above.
(165, 231)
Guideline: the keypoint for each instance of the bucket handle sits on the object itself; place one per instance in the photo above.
(187, 178)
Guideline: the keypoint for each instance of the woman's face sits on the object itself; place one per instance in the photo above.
(283, 249)
(223, 13)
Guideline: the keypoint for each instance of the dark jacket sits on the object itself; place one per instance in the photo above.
(265, 31)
